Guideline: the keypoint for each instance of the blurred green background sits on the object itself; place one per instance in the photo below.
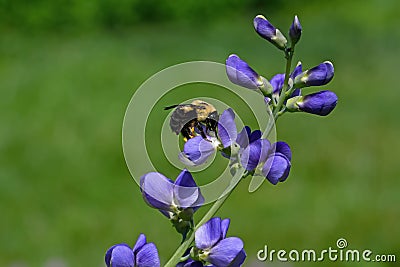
(69, 68)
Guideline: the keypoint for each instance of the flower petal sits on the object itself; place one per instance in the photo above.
(265, 149)
(297, 70)
(227, 128)
(120, 255)
(192, 263)
(318, 75)
(283, 148)
(321, 103)
(108, 255)
(186, 192)
(148, 256)
(255, 153)
(267, 31)
(264, 28)
(295, 30)
(198, 150)
(225, 252)
(243, 137)
(224, 227)
(167, 214)
(277, 82)
(250, 156)
(238, 261)
(208, 234)
(240, 73)
(296, 92)
(157, 190)
(255, 135)
(185, 160)
(276, 168)
(140, 242)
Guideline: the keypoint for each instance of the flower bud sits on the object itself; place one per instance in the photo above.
(297, 70)
(319, 75)
(321, 103)
(277, 83)
(295, 30)
(267, 31)
(240, 73)
(291, 103)
(266, 87)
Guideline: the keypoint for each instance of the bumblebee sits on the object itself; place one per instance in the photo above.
(197, 116)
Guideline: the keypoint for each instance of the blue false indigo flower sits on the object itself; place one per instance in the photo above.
(278, 80)
(176, 200)
(197, 150)
(240, 73)
(319, 75)
(297, 70)
(295, 30)
(277, 166)
(190, 263)
(277, 83)
(321, 103)
(271, 161)
(255, 153)
(143, 254)
(267, 31)
(212, 245)
(247, 137)
(227, 128)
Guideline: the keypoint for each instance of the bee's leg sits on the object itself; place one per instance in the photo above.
(201, 130)
(186, 133)
(211, 124)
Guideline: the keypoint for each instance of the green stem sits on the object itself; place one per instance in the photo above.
(210, 213)
(289, 55)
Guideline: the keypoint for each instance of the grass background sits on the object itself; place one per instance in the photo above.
(66, 194)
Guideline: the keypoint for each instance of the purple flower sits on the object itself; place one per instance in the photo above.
(277, 83)
(190, 263)
(278, 80)
(197, 150)
(246, 137)
(321, 103)
(295, 30)
(254, 154)
(227, 128)
(277, 166)
(143, 254)
(297, 70)
(240, 73)
(319, 75)
(171, 198)
(267, 31)
(271, 161)
(217, 249)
